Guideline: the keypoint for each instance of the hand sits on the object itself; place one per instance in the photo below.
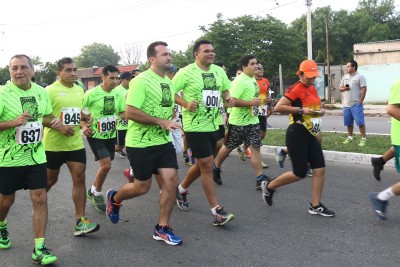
(192, 106)
(55, 123)
(256, 101)
(230, 102)
(87, 131)
(22, 119)
(66, 130)
(320, 112)
(170, 125)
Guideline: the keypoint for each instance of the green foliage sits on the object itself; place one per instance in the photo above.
(4, 75)
(376, 144)
(269, 39)
(97, 54)
(181, 59)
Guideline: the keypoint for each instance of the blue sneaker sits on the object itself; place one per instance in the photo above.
(378, 205)
(167, 235)
(112, 209)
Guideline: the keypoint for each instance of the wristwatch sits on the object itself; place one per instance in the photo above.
(301, 111)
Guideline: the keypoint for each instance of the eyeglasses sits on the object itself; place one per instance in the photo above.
(260, 68)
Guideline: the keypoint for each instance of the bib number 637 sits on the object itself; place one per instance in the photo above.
(29, 133)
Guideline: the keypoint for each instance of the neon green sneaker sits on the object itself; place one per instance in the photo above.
(42, 256)
(5, 242)
(362, 142)
(348, 141)
(97, 201)
(85, 226)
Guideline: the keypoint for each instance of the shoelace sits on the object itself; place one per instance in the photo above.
(4, 233)
(168, 229)
(99, 199)
(44, 250)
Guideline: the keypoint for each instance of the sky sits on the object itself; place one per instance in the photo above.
(55, 29)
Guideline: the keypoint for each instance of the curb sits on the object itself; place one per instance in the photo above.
(336, 156)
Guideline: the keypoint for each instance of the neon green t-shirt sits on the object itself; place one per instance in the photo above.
(122, 124)
(22, 146)
(154, 96)
(205, 87)
(394, 99)
(104, 108)
(66, 104)
(245, 88)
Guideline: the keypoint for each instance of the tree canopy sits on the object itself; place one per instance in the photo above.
(97, 54)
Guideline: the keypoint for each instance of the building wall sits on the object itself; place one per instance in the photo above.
(377, 53)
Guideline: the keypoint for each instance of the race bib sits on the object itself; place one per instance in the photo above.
(316, 125)
(259, 110)
(29, 133)
(221, 108)
(106, 124)
(70, 116)
(123, 122)
(211, 98)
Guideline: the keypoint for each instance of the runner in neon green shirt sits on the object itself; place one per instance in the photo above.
(66, 144)
(122, 125)
(24, 109)
(244, 124)
(203, 84)
(149, 147)
(106, 107)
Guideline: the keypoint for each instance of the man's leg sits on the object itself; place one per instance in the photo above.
(77, 170)
(39, 201)
(6, 201)
(169, 179)
(101, 175)
(256, 160)
(206, 168)
(52, 178)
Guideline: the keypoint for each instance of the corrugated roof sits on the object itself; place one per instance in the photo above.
(377, 42)
(127, 68)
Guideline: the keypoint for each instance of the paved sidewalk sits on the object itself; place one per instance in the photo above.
(369, 110)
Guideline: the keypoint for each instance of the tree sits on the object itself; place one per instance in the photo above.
(131, 55)
(97, 54)
(181, 59)
(267, 38)
(4, 75)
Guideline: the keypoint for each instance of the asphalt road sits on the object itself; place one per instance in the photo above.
(281, 235)
(374, 125)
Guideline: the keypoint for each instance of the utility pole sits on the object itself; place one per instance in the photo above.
(309, 36)
(328, 64)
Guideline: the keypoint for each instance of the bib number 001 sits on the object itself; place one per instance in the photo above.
(29, 133)
(211, 98)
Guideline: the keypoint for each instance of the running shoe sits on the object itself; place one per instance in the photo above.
(41, 255)
(181, 199)
(280, 156)
(264, 165)
(363, 142)
(97, 201)
(379, 206)
(259, 181)
(5, 242)
(375, 162)
(167, 235)
(112, 210)
(267, 193)
(85, 226)
(217, 175)
(248, 153)
(129, 177)
(121, 153)
(348, 141)
(241, 152)
(222, 217)
(187, 160)
(321, 210)
(309, 172)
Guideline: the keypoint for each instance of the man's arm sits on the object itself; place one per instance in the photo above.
(191, 106)
(247, 103)
(363, 92)
(139, 116)
(394, 111)
(20, 120)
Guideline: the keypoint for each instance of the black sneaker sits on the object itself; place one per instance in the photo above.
(321, 210)
(222, 217)
(377, 168)
(267, 193)
(217, 175)
(258, 182)
(121, 153)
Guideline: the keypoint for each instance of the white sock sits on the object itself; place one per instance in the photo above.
(93, 190)
(363, 138)
(350, 137)
(181, 189)
(214, 210)
(386, 194)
